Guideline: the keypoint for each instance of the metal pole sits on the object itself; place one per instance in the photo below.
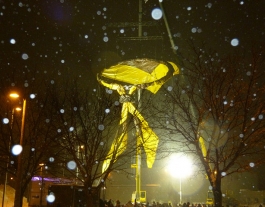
(104, 191)
(4, 190)
(41, 189)
(168, 30)
(77, 169)
(18, 200)
(137, 122)
(140, 15)
(180, 191)
(7, 164)
(138, 171)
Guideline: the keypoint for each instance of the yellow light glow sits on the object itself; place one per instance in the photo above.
(18, 109)
(179, 166)
(14, 95)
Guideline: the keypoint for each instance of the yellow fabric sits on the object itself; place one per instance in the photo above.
(204, 153)
(153, 79)
(140, 73)
(133, 75)
(116, 149)
(176, 69)
(203, 148)
(156, 85)
(149, 139)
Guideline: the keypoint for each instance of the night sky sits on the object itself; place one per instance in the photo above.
(55, 36)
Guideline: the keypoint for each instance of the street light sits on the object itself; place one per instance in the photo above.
(17, 200)
(7, 163)
(41, 189)
(179, 166)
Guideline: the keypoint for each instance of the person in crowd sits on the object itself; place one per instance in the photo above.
(129, 204)
(109, 203)
(101, 203)
(118, 203)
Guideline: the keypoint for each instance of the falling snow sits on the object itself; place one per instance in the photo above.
(48, 46)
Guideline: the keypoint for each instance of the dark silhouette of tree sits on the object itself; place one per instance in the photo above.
(66, 124)
(215, 111)
(88, 123)
(39, 134)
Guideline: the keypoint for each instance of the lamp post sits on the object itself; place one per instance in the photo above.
(41, 189)
(7, 163)
(18, 200)
(180, 166)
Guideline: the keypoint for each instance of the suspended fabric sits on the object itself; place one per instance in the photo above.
(150, 74)
(144, 74)
(203, 148)
(204, 151)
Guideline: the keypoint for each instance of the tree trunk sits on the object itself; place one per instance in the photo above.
(18, 201)
(92, 195)
(89, 202)
(217, 192)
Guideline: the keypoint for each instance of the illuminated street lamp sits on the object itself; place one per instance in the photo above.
(180, 166)
(17, 199)
(14, 95)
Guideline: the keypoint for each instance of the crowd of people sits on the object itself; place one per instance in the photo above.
(117, 203)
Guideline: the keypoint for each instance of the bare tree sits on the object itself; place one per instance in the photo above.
(39, 133)
(69, 124)
(89, 122)
(215, 111)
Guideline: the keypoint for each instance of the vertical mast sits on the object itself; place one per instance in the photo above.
(173, 46)
(138, 130)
